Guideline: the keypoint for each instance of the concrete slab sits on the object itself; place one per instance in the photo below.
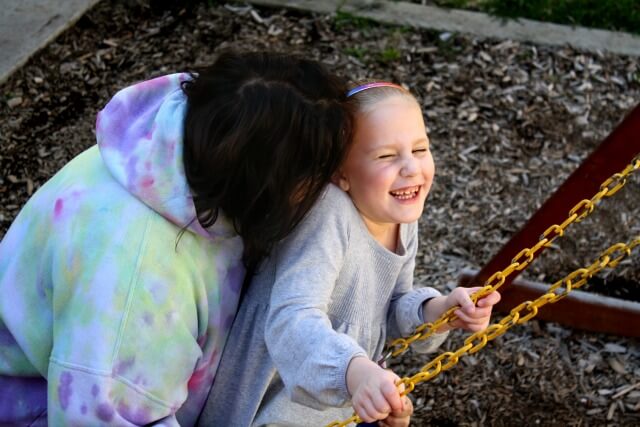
(28, 25)
(474, 23)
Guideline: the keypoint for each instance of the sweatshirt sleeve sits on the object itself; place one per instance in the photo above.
(405, 311)
(309, 355)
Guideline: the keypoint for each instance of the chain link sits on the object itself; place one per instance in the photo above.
(525, 257)
(479, 340)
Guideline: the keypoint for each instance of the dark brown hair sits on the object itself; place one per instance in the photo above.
(264, 133)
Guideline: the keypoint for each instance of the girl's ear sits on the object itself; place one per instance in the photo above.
(340, 180)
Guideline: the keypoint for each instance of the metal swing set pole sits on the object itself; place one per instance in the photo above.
(578, 310)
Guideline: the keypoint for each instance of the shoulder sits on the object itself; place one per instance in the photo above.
(334, 198)
(334, 207)
(326, 227)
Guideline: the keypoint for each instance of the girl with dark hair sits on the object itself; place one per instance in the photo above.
(120, 277)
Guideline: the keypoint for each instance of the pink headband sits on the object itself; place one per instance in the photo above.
(370, 85)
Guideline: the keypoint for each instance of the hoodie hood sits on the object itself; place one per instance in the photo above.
(140, 138)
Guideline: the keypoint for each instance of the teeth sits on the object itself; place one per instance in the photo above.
(405, 194)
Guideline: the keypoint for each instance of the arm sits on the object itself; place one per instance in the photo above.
(310, 356)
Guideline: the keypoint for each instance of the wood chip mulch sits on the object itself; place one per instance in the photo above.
(508, 122)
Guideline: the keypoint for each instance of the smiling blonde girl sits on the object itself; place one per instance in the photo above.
(317, 315)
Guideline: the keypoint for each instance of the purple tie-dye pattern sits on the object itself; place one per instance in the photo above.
(133, 110)
(123, 366)
(139, 131)
(57, 210)
(139, 416)
(139, 380)
(171, 154)
(64, 390)
(235, 277)
(152, 86)
(6, 338)
(132, 173)
(149, 135)
(148, 319)
(42, 286)
(95, 390)
(104, 412)
(115, 128)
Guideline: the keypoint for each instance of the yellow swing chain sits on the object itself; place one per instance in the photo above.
(611, 257)
(580, 211)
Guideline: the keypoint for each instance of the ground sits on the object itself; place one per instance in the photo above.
(508, 123)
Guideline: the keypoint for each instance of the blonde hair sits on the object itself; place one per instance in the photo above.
(366, 93)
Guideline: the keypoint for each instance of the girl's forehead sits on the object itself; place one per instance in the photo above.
(398, 99)
(389, 115)
(396, 121)
(390, 112)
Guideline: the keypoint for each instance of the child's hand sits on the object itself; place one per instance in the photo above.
(374, 393)
(399, 419)
(469, 316)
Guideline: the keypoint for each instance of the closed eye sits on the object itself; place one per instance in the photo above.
(421, 150)
(386, 156)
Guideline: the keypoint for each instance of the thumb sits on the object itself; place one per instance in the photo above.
(461, 298)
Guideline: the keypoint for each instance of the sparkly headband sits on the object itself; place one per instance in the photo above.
(370, 85)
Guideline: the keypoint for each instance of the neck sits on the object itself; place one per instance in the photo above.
(385, 234)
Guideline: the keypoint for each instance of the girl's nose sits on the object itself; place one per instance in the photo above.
(410, 167)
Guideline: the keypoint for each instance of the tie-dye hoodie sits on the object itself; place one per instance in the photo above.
(108, 315)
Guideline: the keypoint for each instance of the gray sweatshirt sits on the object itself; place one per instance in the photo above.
(328, 293)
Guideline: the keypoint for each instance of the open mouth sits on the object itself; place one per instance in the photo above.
(407, 193)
